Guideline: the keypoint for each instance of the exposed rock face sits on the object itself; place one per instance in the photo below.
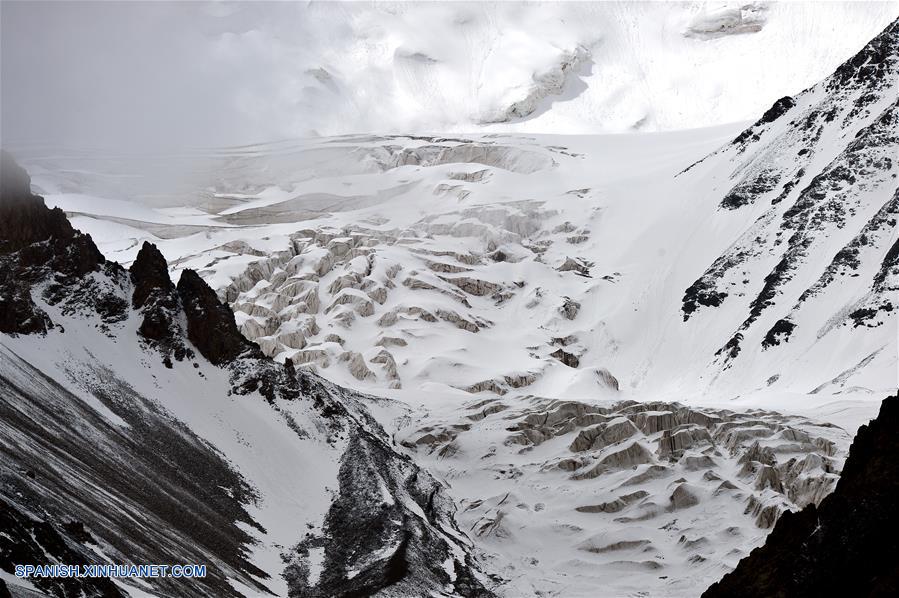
(845, 546)
(407, 544)
(156, 297)
(210, 323)
(24, 219)
(36, 242)
(148, 492)
(565, 357)
(818, 170)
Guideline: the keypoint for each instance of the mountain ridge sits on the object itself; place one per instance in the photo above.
(117, 425)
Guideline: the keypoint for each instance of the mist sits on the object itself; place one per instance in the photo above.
(143, 75)
(165, 76)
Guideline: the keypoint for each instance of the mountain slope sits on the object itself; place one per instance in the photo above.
(765, 268)
(816, 171)
(139, 426)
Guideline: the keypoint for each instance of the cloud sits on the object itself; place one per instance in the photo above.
(169, 75)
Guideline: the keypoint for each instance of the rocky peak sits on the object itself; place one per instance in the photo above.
(872, 63)
(24, 218)
(150, 275)
(156, 297)
(39, 244)
(210, 323)
(847, 546)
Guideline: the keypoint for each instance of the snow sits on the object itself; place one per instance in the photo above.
(421, 220)
(257, 442)
(16, 582)
(649, 232)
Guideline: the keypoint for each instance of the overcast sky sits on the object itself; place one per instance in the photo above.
(126, 74)
(113, 73)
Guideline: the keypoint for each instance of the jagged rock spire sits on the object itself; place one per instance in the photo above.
(24, 218)
(210, 323)
(149, 274)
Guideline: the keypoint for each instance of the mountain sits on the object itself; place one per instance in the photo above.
(816, 173)
(139, 426)
(846, 545)
(624, 356)
(766, 267)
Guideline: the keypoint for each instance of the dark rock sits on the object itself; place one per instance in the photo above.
(746, 192)
(39, 244)
(360, 523)
(26, 540)
(732, 348)
(779, 333)
(569, 359)
(24, 218)
(156, 297)
(701, 292)
(871, 63)
(847, 546)
(778, 109)
(210, 323)
(18, 312)
(150, 275)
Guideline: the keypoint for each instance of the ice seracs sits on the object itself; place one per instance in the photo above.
(140, 426)
(581, 490)
(845, 542)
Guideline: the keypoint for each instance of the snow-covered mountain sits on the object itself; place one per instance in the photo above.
(138, 426)
(712, 262)
(623, 356)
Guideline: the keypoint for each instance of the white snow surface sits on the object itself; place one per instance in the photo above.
(613, 202)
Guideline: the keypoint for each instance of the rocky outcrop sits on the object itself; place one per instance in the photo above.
(578, 266)
(157, 299)
(24, 218)
(372, 545)
(210, 323)
(569, 359)
(569, 308)
(38, 244)
(103, 472)
(816, 175)
(845, 546)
